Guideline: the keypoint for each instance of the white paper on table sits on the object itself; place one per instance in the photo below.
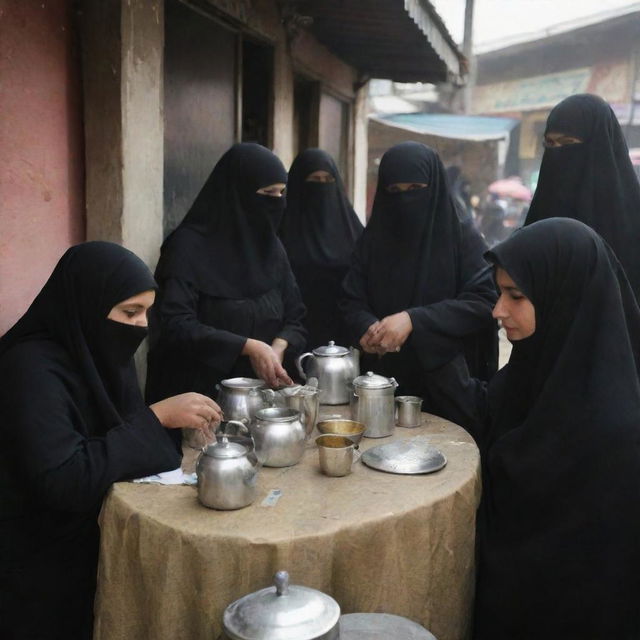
(177, 476)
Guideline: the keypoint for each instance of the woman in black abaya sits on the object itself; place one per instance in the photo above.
(228, 303)
(73, 422)
(558, 525)
(586, 174)
(419, 292)
(319, 231)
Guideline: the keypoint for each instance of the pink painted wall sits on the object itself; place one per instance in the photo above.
(41, 147)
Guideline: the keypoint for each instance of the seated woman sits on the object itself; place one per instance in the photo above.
(228, 304)
(586, 174)
(559, 435)
(419, 291)
(73, 422)
(319, 230)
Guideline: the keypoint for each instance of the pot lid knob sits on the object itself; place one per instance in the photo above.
(281, 580)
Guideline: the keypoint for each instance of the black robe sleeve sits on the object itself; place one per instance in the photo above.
(45, 426)
(182, 331)
(292, 329)
(438, 328)
(354, 305)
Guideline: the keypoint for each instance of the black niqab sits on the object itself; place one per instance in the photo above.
(319, 226)
(319, 231)
(559, 524)
(72, 310)
(413, 237)
(226, 246)
(593, 181)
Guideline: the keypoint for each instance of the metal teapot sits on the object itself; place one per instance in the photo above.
(240, 398)
(227, 475)
(335, 368)
(279, 436)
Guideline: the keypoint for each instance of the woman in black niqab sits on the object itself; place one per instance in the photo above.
(319, 231)
(73, 422)
(558, 525)
(228, 303)
(591, 178)
(416, 258)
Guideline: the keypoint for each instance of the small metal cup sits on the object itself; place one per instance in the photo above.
(336, 455)
(408, 411)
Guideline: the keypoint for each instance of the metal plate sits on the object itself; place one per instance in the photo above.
(411, 456)
(380, 626)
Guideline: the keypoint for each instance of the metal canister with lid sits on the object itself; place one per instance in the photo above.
(372, 404)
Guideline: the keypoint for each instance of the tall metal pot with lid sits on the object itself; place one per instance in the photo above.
(282, 612)
(372, 404)
(334, 367)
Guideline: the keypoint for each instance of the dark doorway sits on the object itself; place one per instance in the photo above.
(305, 113)
(257, 80)
(200, 105)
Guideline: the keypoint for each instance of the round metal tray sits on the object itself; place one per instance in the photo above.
(380, 626)
(411, 456)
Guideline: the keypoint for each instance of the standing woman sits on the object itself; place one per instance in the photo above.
(419, 292)
(228, 303)
(319, 231)
(72, 422)
(586, 174)
(559, 525)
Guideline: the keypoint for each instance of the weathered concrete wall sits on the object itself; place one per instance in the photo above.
(122, 55)
(41, 164)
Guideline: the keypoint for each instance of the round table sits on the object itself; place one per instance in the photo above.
(376, 542)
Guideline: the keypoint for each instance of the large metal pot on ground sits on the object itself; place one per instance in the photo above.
(240, 398)
(279, 436)
(282, 612)
(372, 403)
(334, 367)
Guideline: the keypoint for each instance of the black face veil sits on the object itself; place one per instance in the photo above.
(320, 227)
(72, 310)
(227, 245)
(592, 181)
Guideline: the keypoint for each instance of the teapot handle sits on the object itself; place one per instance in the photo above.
(299, 360)
(241, 429)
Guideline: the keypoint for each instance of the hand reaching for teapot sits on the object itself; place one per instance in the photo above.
(188, 410)
(390, 333)
(266, 362)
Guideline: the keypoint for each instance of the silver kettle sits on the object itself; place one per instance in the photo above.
(335, 368)
(227, 473)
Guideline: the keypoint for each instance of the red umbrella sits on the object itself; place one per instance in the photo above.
(511, 188)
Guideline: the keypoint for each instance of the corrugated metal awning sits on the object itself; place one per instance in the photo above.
(401, 40)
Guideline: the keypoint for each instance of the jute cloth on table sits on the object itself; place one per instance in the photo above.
(376, 542)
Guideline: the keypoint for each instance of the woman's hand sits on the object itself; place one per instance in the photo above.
(279, 346)
(188, 410)
(366, 340)
(266, 363)
(390, 333)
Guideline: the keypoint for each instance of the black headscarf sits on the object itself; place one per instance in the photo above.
(72, 308)
(559, 523)
(411, 245)
(319, 226)
(593, 181)
(226, 246)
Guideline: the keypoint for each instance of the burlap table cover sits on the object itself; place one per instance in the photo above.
(376, 542)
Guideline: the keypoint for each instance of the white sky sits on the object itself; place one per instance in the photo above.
(497, 19)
